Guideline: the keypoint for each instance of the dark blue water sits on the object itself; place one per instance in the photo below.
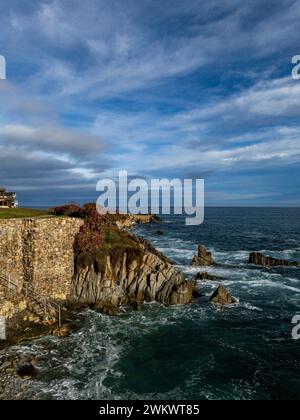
(194, 351)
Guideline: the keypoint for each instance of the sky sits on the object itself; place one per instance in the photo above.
(173, 88)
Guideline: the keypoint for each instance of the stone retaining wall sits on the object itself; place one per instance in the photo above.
(39, 252)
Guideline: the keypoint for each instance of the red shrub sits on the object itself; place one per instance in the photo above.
(71, 210)
(91, 235)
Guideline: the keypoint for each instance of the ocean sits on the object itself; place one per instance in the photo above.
(195, 351)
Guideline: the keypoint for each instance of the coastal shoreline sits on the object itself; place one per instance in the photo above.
(207, 319)
(25, 318)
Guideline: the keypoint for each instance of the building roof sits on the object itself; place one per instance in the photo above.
(7, 193)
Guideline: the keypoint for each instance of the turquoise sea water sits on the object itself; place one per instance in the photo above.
(192, 351)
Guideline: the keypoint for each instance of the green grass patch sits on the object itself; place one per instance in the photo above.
(114, 238)
(116, 244)
(22, 213)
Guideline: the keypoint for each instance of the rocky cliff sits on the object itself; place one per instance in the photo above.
(39, 261)
(128, 271)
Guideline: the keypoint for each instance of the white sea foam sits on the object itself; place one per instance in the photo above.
(232, 256)
(290, 253)
(252, 308)
(274, 284)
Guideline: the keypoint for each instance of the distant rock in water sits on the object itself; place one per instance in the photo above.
(222, 297)
(207, 276)
(204, 257)
(127, 221)
(159, 233)
(258, 258)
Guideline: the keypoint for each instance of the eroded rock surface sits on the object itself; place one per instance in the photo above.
(129, 273)
(207, 276)
(222, 297)
(204, 257)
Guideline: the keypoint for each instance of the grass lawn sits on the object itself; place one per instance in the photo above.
(19, 213)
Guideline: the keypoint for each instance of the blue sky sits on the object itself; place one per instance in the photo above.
(174, 88)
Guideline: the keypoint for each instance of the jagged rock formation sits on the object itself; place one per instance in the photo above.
(207, 276)
(128, 271)
(258, 258)
(204, 257)
(222, 297)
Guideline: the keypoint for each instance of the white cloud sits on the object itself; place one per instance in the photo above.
(52, 138)
(129, 47)
(204, 137)
(75, 63)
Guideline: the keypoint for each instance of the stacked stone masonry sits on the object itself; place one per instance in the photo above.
(39, 252)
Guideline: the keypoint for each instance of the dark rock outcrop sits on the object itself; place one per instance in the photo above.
(26, 370)
(258, 258)
(204, 257)
(222, 297)
(207, 276)
(15, 370)
(129, 271)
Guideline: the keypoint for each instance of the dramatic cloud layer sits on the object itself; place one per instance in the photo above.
(173, 88)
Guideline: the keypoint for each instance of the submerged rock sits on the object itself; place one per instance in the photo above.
(26, 370)
(222, 297)
(63, 331)
(107, 306)
(207, 276)
(258, 258)
(204, 257)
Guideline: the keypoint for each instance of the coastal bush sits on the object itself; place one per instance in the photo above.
(95, 243)
(115, 245)
(99, 237)
(91, 235)
(70, 210)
